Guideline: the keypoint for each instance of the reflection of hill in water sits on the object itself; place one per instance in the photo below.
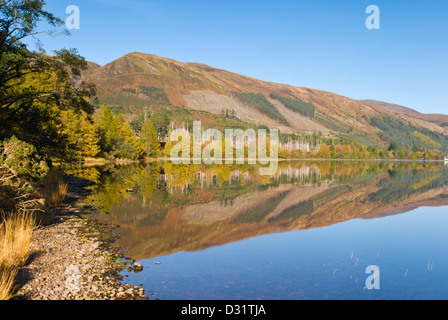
(175, 208)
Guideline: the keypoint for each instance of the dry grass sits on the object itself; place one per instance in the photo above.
(7, 278)
(57, 197)
(15, 239)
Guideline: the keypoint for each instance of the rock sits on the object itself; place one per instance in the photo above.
(138, 266)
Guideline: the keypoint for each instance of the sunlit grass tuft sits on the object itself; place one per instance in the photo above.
(15, 240)
(16, 232)
(7, 278)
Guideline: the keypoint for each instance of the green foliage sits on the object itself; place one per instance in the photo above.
(426, 140)
(36, 87)
(330, 123)
(401, 185)
(161, 120)
(228, 114)
(149, 139)
(127, 145)
(80, 134)
(157, 96)
(21, 159)
(262, 104)
(137, 123)
(106, 130)
(133, 99)
(409, 136)
(304, 108)
(116, 138)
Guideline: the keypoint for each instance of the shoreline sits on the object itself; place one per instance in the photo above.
(246, 160)
(72, 258)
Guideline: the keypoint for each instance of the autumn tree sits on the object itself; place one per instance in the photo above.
(149, 139)
(80, 134)
(106, 129)
(116, 138)
(324, 151)
(127, 145)
(34, 86)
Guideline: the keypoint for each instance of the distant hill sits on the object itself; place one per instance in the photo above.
(139, 81)
(430, 117)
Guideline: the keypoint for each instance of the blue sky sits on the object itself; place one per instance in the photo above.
(321, 44)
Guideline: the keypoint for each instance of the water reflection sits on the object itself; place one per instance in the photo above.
(163, 208)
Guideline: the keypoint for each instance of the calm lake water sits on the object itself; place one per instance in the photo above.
(310, 232)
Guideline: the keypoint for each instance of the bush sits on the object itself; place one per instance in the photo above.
(21, 159)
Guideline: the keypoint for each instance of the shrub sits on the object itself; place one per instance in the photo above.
(21, 159)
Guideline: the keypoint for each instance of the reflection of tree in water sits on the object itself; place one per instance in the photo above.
(227, 201)
(296, 211)
(403, 184)
(260, 212)
(193, 207)
(165, 184)
(84, 172)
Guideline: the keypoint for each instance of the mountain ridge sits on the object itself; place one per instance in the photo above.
(431, 117)
(197, 86)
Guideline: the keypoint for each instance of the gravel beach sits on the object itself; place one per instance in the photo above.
(72, 257)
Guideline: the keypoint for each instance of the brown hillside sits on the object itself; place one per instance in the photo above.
(201, 87)
(430, 117)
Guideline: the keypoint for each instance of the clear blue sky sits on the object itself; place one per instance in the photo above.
(321, 44)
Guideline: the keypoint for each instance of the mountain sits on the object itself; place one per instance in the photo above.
(441, 119)
(139, 81)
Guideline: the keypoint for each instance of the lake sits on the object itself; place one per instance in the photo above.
(309, 232)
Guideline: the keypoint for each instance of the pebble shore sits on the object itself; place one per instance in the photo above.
(72, 259)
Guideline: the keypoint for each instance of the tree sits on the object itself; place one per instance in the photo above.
(137, 123)
(34, 86)
(168, 146)
(393, 146)
(149, 139)
(81, 136)
(161, 121)
(324, 151)
(106, 128)
(127, 140)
